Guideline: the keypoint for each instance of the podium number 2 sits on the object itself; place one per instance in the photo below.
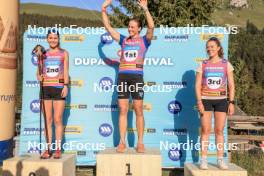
(128, 170)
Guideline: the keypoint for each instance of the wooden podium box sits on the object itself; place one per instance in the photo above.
(191, 169)
(130, 163)
(34, 166)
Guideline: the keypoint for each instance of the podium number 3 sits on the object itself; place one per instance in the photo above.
(128, 170)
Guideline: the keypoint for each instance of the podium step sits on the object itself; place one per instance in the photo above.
(191, 169)
(32, 165)
(130, 163)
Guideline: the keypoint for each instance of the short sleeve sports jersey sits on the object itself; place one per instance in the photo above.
(133, 51)
(53, 68)
(214, 79)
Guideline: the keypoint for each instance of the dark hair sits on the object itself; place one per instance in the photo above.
(218, 43)
(53, 31)
(138, 21)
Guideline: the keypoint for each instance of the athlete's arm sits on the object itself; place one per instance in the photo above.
(231, 88)
(64, 91)
(150, 22)
(198, 87)
(66, 67)
(114, 34)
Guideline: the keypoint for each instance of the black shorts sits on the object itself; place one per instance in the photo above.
(215, 105)
(130, 84)
(52, 93)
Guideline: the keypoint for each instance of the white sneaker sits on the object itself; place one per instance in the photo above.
(203, 164)
(221, 164)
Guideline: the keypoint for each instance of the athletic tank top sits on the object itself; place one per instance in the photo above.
(53, 69)
(214, 79)
(132, 54)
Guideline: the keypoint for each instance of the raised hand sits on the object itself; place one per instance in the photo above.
(143, 4)
(106, 3)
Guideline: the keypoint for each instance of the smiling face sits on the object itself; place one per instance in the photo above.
(133, 28)
(53, 40)
(212, 49)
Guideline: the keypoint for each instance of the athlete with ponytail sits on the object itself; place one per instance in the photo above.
(213, 78)
(55, 79)
(130, 77)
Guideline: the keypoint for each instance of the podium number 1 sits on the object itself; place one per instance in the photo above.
(128, 170)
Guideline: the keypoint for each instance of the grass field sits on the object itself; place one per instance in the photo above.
(254, 14)
(52, 10)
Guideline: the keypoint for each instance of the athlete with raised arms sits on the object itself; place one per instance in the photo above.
(134, 48)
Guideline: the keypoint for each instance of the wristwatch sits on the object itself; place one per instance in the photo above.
(232, 102)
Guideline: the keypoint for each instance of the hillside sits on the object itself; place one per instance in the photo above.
(52, 10)
(254, 13)
(224, 15)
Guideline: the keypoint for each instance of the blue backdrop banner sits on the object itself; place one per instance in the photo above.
(172, 123)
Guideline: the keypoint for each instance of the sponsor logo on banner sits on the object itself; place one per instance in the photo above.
(175, 84)
(159, 61)
(78, 61)
(81, 153)
(150, 83)
(76, 106)
(32, 84)
(175, 132)
(7, 98)
(146, 130)
(73, 38)
(175, 154)
(76, 83)
(199, 60)
(176, 38)
(114, 107)
(106, 83)
(36, 38)
(106, 38)
(105, 107)
(206, 37)
(35, 83)
(73, 130)
(34, 149)
(174, 107)
(35, 106)
(32, 131)
(105, 130)
(34, 59)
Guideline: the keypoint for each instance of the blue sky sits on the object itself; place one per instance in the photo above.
(83, 4)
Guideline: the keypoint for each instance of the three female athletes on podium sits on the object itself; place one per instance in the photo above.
(211, 82)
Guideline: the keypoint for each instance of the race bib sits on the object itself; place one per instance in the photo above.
(214, 82)
(52, 71)
(130, 55)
